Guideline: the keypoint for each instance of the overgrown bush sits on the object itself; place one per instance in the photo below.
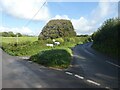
(56, 29)
(106, 38)
(59, 58)
(49, 41)
(61, 40)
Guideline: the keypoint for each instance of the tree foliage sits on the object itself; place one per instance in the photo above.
(10, 34)
(57, 28)
(83, 35)
(19, 34)
(106, 38)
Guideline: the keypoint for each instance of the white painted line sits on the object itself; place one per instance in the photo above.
(38, 86)
(89, 52)
(113, 64)
(79, 76)
(69, 73)
(107, 87)
(30, 61)
(93, 82)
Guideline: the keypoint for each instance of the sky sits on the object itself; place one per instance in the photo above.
(30, 16)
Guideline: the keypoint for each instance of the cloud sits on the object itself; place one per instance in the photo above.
(61, 17)
(22, 30)
(103, 10)
(25, 9)
(58, 17)
(83, 26)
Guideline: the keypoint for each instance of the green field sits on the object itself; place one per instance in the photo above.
(28, 46)
(20, 39)
(31, 46)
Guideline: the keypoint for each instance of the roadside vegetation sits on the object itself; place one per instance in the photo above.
(106, 39)
(58, 56)
(33, 46)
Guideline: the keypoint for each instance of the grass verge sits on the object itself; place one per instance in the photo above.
(57, 58)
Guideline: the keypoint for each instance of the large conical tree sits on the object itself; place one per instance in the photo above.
(57, 28)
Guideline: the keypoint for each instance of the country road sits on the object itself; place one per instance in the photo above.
(18, 73)
(88, 69)
(92, 65)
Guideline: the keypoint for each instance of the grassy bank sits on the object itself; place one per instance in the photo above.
(58, 56)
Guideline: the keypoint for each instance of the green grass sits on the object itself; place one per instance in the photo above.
(57, 58)
(28, 46)
(20, 39)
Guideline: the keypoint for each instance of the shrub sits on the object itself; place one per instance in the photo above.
(49, 41)
(59, 58)
(56, 29)
(105, 39)
(61, 40)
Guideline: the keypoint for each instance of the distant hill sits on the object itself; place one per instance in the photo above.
(57, 28)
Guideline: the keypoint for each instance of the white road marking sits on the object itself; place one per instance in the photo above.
(79, 76)
(89, 52)
(107, 87)
(113, 64)
(69, 73)
(93, 82)
(30, 61)
(38, 86)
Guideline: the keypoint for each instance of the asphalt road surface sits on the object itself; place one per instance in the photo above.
(88, 69)
(94, 66)
(18, 73)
